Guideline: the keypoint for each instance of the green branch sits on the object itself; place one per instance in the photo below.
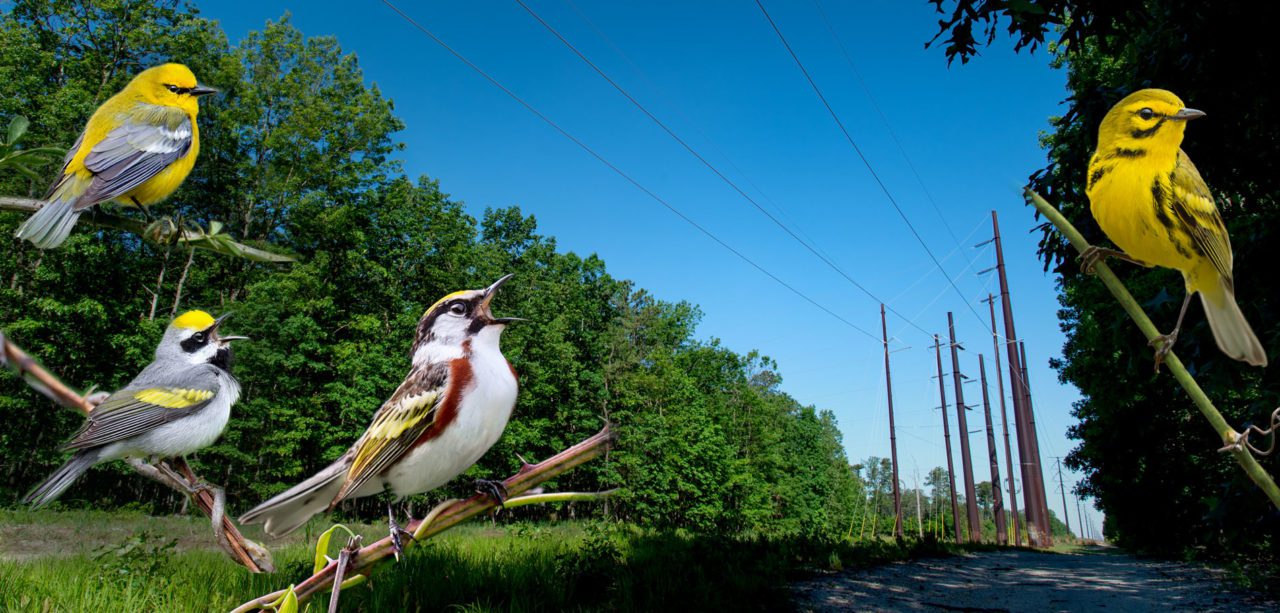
(1230, 438)
(163, 231)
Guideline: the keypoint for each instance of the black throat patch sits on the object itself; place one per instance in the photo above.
(222, 359)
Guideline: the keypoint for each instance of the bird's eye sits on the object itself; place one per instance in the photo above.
(1146, 113)
(198, 337)
(172, 88)
(458, 308)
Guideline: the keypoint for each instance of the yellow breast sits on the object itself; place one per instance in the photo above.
(1121, 198)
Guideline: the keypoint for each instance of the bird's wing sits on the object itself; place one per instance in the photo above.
(71, 154)
(148, 139)
(397, 425)
(1192, 204)
(138, 409)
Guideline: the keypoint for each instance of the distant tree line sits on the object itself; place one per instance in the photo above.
(926, 507)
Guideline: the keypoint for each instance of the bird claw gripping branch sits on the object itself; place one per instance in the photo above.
(397, 533)
(1163, 344)
(494, 489)
(1094, 254)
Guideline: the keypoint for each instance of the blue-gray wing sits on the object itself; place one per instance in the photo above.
(147, 141)
(140, 408)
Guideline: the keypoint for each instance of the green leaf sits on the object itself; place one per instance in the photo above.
(322, 546)
(289, 602)
(17, 127)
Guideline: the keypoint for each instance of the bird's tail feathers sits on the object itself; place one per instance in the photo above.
(1230, 329)
(61, 479)
(50, 224)
(288, 510)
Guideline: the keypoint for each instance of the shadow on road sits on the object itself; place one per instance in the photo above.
(1095, 578)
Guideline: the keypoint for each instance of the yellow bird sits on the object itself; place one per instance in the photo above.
(1151, 202)
(136, 149)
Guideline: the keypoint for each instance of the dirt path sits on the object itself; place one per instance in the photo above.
(1098, 579)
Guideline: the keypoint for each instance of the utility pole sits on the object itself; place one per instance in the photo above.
(997, 502)
(962, 422)
(1028, 447)
(919, 516)
(893, 436)
(1004, 422)
(1031, 421)
(946, 435)
(1066, 517)
(1080, 516)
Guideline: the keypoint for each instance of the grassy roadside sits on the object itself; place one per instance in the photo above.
(89, 561)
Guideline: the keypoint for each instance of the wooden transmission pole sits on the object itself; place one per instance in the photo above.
(893, 437)
(962, 422)
(1045, 526)
(946, 435)
(1028, 446)
(1004, 424)
(1066, 517)
(997, 500)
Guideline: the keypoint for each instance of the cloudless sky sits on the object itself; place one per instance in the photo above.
(717, 75)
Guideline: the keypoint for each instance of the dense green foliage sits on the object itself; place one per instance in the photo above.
(298, 155)
(1149, 458)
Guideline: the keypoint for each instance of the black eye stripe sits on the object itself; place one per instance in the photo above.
(193, 343)
(178, 90)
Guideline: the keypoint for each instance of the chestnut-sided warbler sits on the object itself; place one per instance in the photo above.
(450, 409)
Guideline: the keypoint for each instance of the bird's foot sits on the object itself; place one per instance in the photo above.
(494, 489)
(193, 488)
(1163, 345)
(1090, 257)
(397, 534)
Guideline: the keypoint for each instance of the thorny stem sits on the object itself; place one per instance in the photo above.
(251, 555)
(1230, 438)
(450, 514)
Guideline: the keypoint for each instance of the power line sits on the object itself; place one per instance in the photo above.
(939, 294)
(884, 188)
(707, 163)
(884, 119)
(679, 111)
(946, 257)
(619, 171)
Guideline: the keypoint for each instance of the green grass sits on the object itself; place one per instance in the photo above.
(97, 562)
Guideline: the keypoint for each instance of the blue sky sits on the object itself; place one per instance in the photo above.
(717, 75)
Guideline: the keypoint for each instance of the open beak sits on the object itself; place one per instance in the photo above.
(489, 292)
(223, 340)
(202, 90)
(1187, 114)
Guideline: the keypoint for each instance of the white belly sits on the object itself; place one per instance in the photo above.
(482, 416)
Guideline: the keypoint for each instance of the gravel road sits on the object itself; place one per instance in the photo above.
(1099, 578)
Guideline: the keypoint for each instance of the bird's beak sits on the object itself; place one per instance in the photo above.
(213, 330)
(489, 292)
(1187, 114)
(202, 90)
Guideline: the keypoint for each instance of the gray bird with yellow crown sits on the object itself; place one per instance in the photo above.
(177, 405)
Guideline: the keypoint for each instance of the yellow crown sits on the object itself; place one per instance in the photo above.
(445, 299)
(193, 320)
